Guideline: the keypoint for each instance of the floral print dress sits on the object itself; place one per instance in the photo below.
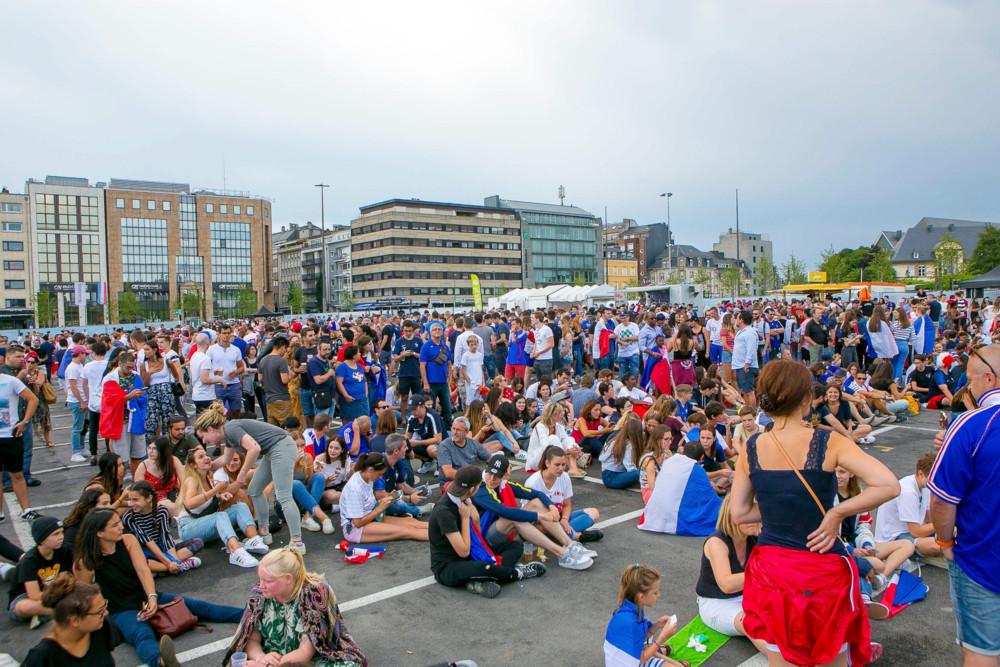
(281, 629)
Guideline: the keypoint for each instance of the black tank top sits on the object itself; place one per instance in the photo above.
(707, 587)
(119, 583)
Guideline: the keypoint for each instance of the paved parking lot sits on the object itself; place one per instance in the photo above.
(400, 616)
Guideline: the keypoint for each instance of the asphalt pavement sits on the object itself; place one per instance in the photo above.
(400, 616)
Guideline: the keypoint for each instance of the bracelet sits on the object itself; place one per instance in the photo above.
(945, 545)
(152, 595)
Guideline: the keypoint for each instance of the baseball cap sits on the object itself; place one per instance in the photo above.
(661, 316)
(559, 396)
(498, 464)
(416, 401)
(79, 349)
(840, 373)
(44, 526)
(466, 477)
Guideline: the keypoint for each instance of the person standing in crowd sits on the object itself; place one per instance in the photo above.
(123, 411)
(488, 345)
(76, 401)
(964, 484)
(274, 378)
(160, 402)
(227, 367)
(406, 356)
(202, 378)
(745, 357)
(544, 344)
(352, 387)
(300, 361)
(815, 336)
(14, 366)
(627, 335)
(93, 376)
(603, 333)
(435, 369)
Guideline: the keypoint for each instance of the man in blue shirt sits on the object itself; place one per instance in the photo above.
(356, 435)
(320, 372)
(406, 353)
(435, 369)
(965, 483)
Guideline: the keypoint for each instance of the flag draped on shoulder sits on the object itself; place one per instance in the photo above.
(683, 501)
(881, 344)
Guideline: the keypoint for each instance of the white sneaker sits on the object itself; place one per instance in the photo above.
(242, 558)
(574, 561)
(311, 525)
(301, 548)
(267, 539)
(255, 545)
(78, 458)
(426, 509)
(335, 508)
(521, 455)
(578, 548)
(328, 527)
(426, 468)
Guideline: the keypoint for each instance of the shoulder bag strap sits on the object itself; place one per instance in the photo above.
(797, 473)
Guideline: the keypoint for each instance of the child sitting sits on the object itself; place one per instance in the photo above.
(150, 523)
(685, 402)
(906, 516)
(630, 638)
(38, 567)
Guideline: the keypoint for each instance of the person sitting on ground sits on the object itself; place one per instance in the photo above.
(458, 450)
(840, 410)
(228, 475)
(385, 425)
(631, 391)
(202, 517)
(307, 488)
(89, 499)
(357, 436)
(589, 430)
(459, 555)
(552, 480)
(683, 501)
(720, 584)
(685, 403)
(746, 428)
(423, 433)
(713, 460)
(334, 465)
(363, 518)
(906, 517)
(657, 448)
(36, 569)
(501, 517)
(929, 384)
(292, 616)
(485, 428)
(181, 442)
(111, 479)
(551, 430)
(631, 639)
(620, 455)
(79, 637)
(105, 555)
(412, 502)
(316, 437)
(715, 413)
(150, 523)
(164, 479)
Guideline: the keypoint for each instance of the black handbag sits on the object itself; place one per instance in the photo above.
(176, 389)
(323, 399)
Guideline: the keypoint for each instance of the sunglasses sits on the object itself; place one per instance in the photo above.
(975, 353)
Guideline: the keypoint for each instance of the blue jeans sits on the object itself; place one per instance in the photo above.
(306, 497)
(502, 438)
(619, 480)
(579, 521)
(977, 613)
(439, 391)
(900, 359)
(628, 365)
(350, 411)
(217, 525)
(607, 361)
(591, 445)
(403, 508)
(306, 400)
(80, 415)
(231, 396)
(578, 359)
(140, 635)
(489, 368)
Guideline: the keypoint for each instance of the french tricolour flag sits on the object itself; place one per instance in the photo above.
(881, 344)
(683, 501)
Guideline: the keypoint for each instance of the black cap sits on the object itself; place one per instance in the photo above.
(416, 401)
(44, 526)
(466, 478)
(498, 464)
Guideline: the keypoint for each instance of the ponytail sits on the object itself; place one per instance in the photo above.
(635, 580)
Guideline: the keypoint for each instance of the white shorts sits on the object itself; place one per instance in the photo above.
(720, 615)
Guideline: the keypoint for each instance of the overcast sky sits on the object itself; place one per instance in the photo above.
(834, 120)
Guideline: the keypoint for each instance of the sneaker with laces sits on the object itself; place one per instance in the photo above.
(242, 558)
(194, 545)
(426, 468)
(487, 589)
(578, 548)
(425, 509)
(268, 540)
(311, 525)
(879, 584)
(78, 458)
(529, 570)
(876, 610)
(590, 535)
(297, 546)
(574, 561)
(328, 527)
(7, 572)
(521, 455)
(911, 566)
(192, 563)
(30, 515)
(255, 545)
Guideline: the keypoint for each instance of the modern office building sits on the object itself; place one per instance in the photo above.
(178, 250)
(564, 243)
(17, 309)
(746, 246)
(410, 251)
(68, 246)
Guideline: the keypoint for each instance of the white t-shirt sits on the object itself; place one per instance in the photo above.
(225, 359)
(910, 506)
(473, 363)
(10, 390)
(562, 488)
(630, 330)
(200, 391)
(93, 373)
(636, 394)
(543, 338)
(462, 343)
(714, 328)
(74, 372)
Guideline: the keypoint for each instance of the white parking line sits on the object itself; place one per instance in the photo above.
(68, 466)
(54, 505)
(758, 660)
(21, 527)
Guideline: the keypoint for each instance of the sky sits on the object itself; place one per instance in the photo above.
(834, 120)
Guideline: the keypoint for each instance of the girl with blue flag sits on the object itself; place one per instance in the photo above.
(631, 640)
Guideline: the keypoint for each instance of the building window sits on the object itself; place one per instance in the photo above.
(10, 207)
(13, 284)
(136, 204)
(119, 203)
(267, 213)
(166, 206)
(921, 271)
(13, 265)
(223, 209)
(249, 210)
(13, 246)
(236, 209)
(13, 227)
(144, 250)
(150, 205)
(16, 303)
(209, 208)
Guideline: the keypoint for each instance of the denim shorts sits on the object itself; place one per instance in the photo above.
(977, 613)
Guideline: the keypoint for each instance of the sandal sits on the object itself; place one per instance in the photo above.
(49, 443)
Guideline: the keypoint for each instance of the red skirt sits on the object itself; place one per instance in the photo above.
(807, 604)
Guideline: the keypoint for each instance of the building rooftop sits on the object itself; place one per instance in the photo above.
(431, 204)
(536, 207)
(919, 241)
(149, 186)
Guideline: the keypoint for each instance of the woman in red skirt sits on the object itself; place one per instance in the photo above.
(801, 596)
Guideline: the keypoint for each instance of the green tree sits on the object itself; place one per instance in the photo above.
(246, 301)
(579, 279)
(731, 281)
(793, 272)
(948, 257)
(296, 299)
(45, 308)
(347, 300)
(500, 290)
(986, 255)
(765, 276)
(880, 268)
(192, 303)
(632, 282)
(129, 308)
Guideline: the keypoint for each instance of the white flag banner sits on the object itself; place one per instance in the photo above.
(80, 294)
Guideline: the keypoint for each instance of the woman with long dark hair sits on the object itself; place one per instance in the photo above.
(105, 555)
(156, 376)
(79, 636)
(110, 478)
(92, 497)
(163, 471)
(685, 347)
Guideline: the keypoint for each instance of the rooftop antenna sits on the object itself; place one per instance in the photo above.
(562, 194)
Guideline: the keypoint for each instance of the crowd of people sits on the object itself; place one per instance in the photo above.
(746, 424)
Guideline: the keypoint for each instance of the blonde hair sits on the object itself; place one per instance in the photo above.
(549, 414)
(289, 561)
(725, 521)
(213, 417)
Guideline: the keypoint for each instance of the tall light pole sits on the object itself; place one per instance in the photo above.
(670, 239)
(322, 224)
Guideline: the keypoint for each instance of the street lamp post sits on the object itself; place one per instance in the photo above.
(322, 223)
(670, 239)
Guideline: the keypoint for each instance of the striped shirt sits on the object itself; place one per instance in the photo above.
(153, 527)
(356, 500)
(901, 334)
